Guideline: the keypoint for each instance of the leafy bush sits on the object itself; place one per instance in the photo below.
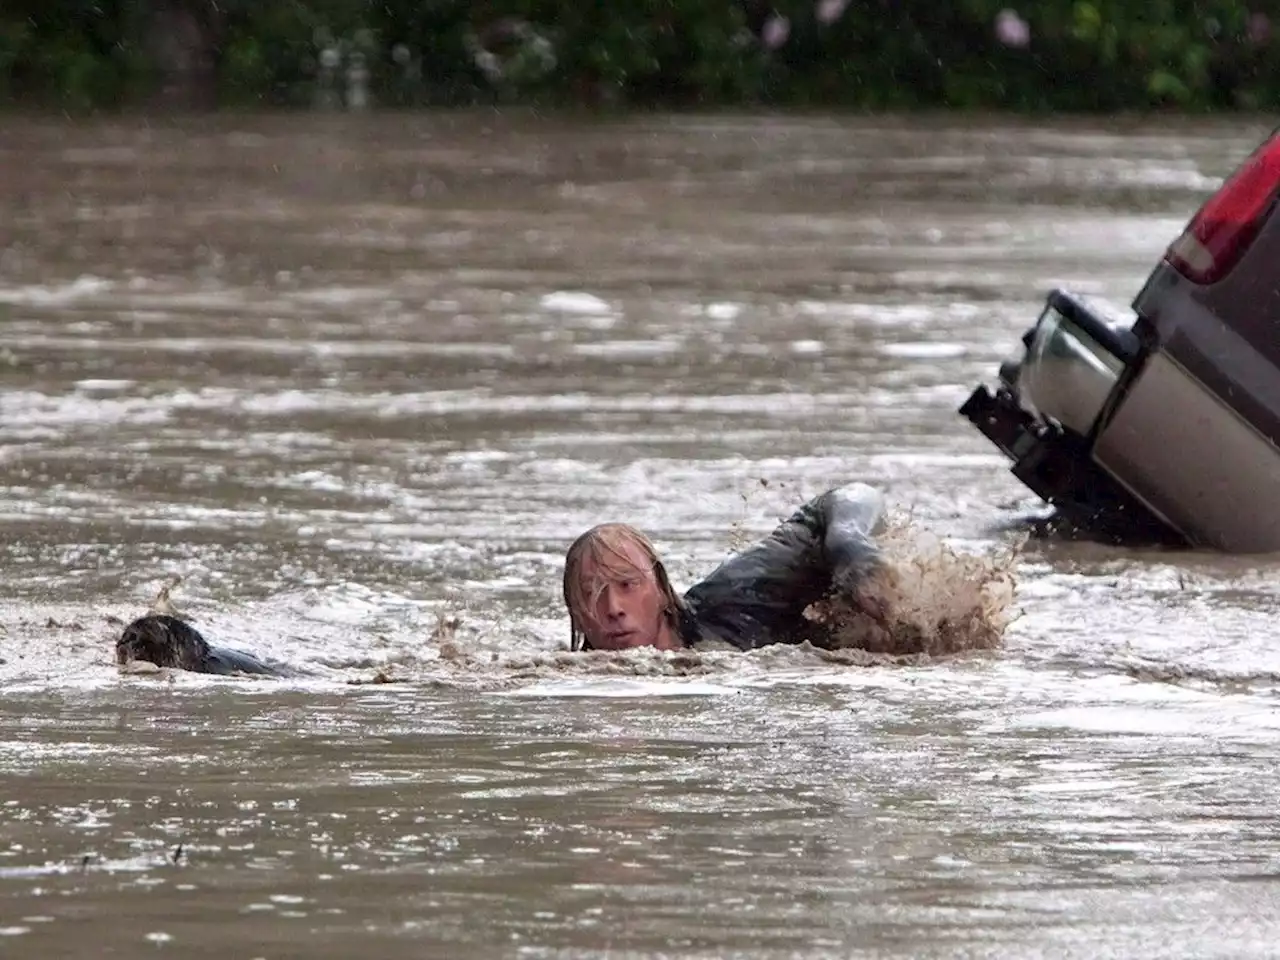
(1046, 54)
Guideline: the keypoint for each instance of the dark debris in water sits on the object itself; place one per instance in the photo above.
(174, 857)
(381, 676)
(54, 624)
(1186, 675)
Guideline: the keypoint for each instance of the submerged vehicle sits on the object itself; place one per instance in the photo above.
(1162, 426)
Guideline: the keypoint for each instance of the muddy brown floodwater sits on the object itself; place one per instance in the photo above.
(359, 380)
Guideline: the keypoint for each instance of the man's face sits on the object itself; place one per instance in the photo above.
(625, 604)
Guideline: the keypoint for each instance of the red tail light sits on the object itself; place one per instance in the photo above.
(1222, 230)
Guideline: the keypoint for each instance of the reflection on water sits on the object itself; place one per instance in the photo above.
(360, 380)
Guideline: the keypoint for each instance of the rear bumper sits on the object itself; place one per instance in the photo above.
(1058, 466)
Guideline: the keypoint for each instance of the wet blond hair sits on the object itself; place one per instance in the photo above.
(603, 545)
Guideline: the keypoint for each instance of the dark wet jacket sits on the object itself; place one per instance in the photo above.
(759, 596)
(226, 661)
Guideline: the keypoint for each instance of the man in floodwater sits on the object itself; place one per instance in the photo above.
(619, 595)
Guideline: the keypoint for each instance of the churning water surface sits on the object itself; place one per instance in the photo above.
(358, 381)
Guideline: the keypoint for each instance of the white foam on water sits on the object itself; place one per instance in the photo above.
(40, 295)
(136, 864)
(575, 301)
(924, 351)
(105, 385)
(723, 310)
(628, 348)
(342, 296)
(614, 689)
(807, 348)
(878, 314)
(36, 409)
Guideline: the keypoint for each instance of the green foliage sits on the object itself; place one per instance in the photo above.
(1052, 54)
(73, 52)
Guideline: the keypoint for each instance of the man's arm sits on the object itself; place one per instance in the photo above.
(853, 516)
(759, 596)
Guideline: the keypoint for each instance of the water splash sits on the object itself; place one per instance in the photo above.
(929, 598)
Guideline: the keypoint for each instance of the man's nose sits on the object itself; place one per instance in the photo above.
(612, 601)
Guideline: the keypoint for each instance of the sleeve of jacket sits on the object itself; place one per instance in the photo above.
(758, 596)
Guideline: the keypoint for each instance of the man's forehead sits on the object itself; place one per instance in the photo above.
(621, 557)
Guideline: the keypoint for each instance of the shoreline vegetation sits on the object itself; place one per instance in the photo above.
(1075, 56)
